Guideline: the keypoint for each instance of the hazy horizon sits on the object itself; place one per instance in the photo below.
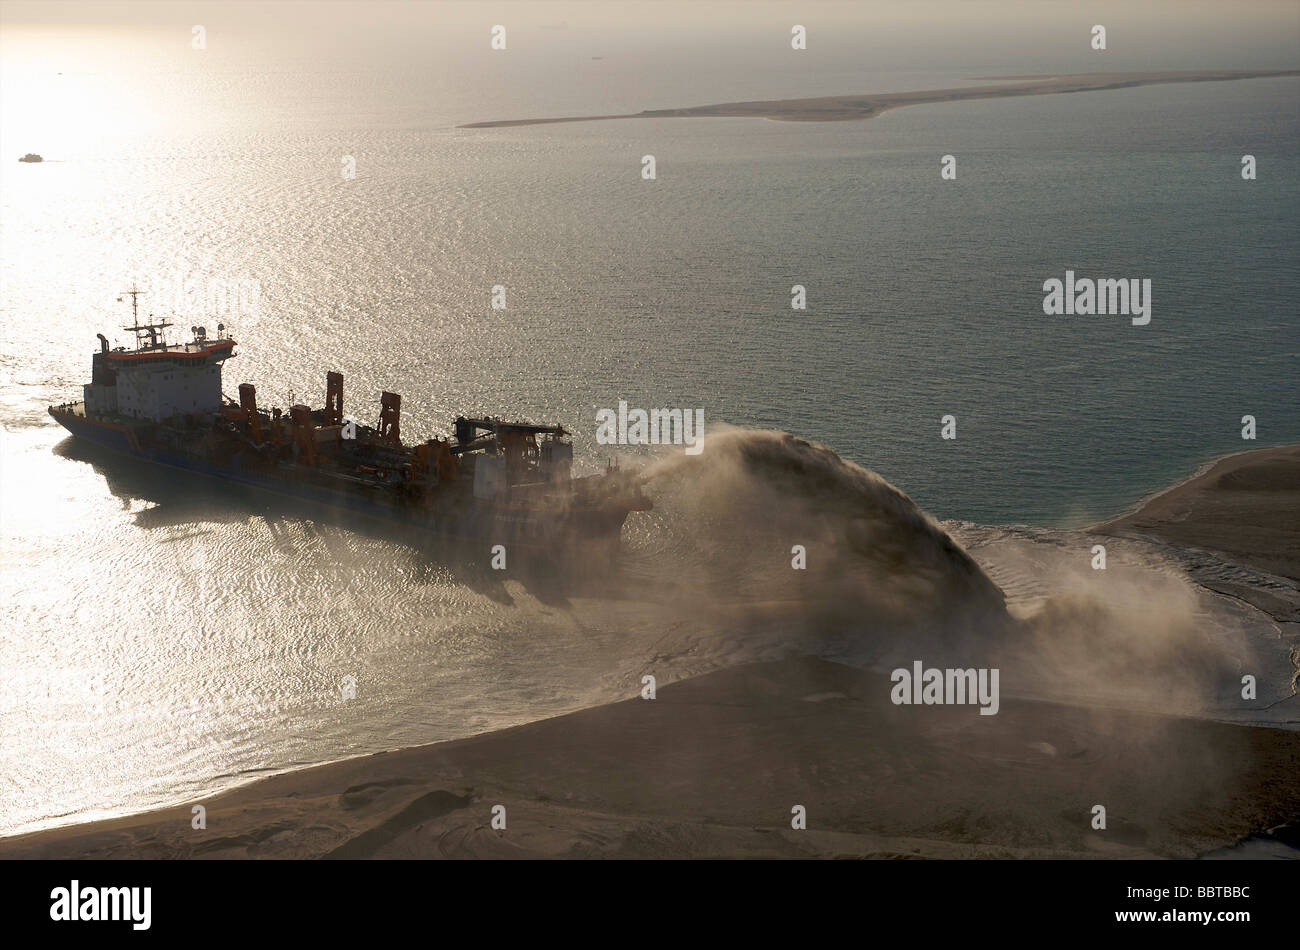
(807, 283)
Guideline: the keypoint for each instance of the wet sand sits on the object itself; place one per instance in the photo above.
(713, 766)
(1245, 506)
(853, 107)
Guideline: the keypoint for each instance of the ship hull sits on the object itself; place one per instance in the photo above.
(472, 519)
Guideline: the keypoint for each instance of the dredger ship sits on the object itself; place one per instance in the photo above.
(504, 481)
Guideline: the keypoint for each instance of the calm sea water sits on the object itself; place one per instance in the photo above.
(158, 645)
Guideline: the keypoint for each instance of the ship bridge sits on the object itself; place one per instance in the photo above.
(181, 354)
(158, 380)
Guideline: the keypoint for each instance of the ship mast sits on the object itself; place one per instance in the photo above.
(145, 331)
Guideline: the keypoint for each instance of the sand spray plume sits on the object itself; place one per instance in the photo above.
(727, 524)
(885, 584)
(1137, 635)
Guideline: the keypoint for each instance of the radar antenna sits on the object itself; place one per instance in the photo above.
(146, 334)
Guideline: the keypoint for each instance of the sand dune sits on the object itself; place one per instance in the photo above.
(844, 108)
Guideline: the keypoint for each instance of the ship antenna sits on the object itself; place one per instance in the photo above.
(148, 331)
(135, 316)
(135, 313)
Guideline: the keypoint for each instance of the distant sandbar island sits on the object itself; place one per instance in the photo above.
(846, 108)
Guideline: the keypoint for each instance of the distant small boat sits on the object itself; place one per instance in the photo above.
(31, 157)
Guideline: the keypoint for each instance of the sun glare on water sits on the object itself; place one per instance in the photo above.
(63, 97)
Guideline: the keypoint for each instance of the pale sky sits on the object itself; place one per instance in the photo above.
(912, 34)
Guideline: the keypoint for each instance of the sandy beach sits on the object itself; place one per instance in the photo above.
(1245, 506)
(715, 764)
(853, 107)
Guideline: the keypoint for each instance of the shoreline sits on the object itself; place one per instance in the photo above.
(712, 767)
(1244, 506)
(848, 108)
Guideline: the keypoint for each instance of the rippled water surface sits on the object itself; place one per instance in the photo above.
(163, 638)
